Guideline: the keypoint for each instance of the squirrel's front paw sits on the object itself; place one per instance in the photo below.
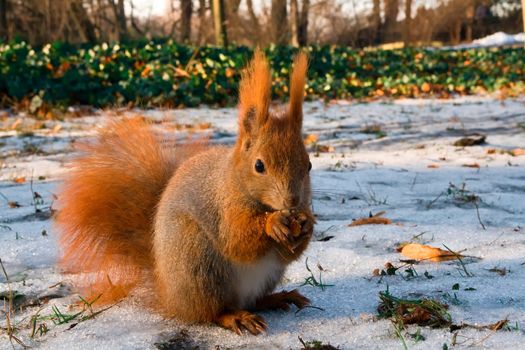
(289, 229)
(305, 222)
(277, 228)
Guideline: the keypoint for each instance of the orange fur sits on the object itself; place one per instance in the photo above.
(255, 88)
(107, 203)
(297, 83)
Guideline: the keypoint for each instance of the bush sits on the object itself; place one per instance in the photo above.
(164, 73)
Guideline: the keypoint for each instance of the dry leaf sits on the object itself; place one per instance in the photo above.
(416, 315)
(310, 139)
(179, 72)
(145, 72)
(433, 166)
(518, 152)
(204, 126)
(19, 180)
(471, 165)
(16, 124)
(376, 219)
(471, 140)
(13, 204)
(498, 325)
(424, 252)
(325, 148)
(56, 129)
(501, 272)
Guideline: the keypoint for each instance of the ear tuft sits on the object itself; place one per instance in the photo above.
(297, 83)
(254, 92)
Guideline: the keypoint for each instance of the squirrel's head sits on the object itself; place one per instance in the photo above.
(271, 162)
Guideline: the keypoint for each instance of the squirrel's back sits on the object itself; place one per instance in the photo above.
(107, 206)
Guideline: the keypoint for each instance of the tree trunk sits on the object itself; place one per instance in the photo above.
(221, 38)
(253, 16)
(376, 22)
(294, 14)
(302, 26)
(202, 19)
(523, 15)
(408, 20)
(279, 21)
(186, 12)
(233, 6)
(120, 17)
(391, 12)
(85, 22)
(4, 30)
(470, 13)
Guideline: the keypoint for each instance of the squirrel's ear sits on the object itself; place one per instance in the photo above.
(297, 82)
(254, 93)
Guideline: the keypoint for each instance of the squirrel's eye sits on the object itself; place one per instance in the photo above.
(309, 166)
(259, 166)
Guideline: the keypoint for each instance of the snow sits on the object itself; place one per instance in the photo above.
(500, 39)
(493, 40)
(364, 174)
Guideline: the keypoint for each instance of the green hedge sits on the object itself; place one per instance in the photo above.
(164, 73)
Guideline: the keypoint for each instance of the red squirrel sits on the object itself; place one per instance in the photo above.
(210, 229)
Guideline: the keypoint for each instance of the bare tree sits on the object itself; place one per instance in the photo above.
(221, 38)
(523, 15)
(294, 14)
(408, 20)
(375, 22)
(186, 13)
(120, 16)
(4, 30)
(202, 21)
(279, 21)
(302, 25)
(252, 15)
(84, 22)
(391, 12)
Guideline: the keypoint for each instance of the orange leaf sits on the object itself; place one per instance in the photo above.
(16, 124)
(145, 72)
(433, 166)
(19, 180)
(56, 128)
(518, 152)
(425, 87)
(372, 220)
(310, 139)
(179, 72)
(418, 251)
(229, 72)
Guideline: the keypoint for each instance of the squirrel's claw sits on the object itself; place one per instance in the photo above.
(306, 222)
(282, 301)
(236, 321)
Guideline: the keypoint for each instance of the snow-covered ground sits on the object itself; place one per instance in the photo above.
(396, 157)
(492, 40)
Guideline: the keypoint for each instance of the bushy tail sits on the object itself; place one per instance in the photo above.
(107, 205)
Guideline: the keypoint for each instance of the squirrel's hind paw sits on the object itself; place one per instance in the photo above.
(282, 301)
(237, 321)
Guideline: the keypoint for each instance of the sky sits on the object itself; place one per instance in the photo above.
(147, 7)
